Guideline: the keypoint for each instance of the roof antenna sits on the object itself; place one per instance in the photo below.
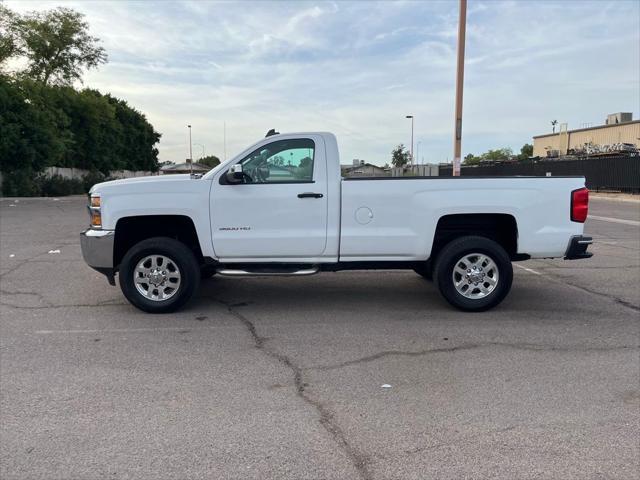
(271, 133)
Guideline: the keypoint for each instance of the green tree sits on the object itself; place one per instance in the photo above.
(28, 133)
(8, 34)
(525, 152)
(55, 44)
(400, 156)
(471, 159)
(44, 126)
(497, 154)
(278, 161)
(45, 122)
(304, 168)
(29, 137)
(306, 162)
(210, 161)
(137, 137)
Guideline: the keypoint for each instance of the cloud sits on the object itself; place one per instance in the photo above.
(357, 68)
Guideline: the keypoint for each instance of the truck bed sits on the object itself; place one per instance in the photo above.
(395, 218)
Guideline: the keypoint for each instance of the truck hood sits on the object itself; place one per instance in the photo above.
(136, 183)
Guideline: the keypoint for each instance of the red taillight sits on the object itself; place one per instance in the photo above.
(579, 205)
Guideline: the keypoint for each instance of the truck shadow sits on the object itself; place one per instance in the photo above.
(325, 290)
(392, 293)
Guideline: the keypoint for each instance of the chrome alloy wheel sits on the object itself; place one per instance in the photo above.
(475, 276)
(157, 277)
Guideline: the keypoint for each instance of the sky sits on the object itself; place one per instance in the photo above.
(358, 68)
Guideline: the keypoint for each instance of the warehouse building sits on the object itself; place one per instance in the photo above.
(619, 133)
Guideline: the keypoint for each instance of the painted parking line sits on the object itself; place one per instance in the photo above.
(615, 220)
(530, 270)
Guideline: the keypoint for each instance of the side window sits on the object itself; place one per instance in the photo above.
(280, 161)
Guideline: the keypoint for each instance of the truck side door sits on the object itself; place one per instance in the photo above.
(279, 211)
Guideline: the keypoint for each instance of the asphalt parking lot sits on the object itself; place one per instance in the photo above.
(282, 377)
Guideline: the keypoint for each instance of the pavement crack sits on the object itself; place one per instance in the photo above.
(327, 418)
(32, 259)
(470, 346)
(66, 305)
(564, 281)
(23, 293)
(395, 353)
(459, 441)
(19, 292)
(14, 268)
(617, 300)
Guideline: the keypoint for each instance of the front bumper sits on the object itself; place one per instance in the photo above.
(97, 250)
(577, 248)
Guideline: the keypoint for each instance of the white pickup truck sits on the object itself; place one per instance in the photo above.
(281, 208)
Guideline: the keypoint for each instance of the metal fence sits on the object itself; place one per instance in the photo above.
(424, 170)
(614, 173)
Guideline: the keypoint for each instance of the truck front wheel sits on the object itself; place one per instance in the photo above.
(159, 275)
(473, 273)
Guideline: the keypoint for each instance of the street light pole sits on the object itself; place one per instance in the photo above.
(457, 144)
(190, 152)
(411, 117)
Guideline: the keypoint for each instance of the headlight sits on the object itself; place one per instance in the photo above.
(94, 211)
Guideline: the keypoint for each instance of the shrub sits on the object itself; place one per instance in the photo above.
(90, 179)
(24, 183)
(20, 183)
(58, 186)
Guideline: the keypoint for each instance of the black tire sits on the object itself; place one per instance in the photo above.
(453, 254)
(207, 271)
(179, 254)
(425, 270)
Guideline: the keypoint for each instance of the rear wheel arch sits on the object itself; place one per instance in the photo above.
(502, 228)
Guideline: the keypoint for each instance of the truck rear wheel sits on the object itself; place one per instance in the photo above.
(473, 273)
(159, 275)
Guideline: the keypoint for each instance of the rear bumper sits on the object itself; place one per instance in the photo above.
(97, 251)
(577, 248)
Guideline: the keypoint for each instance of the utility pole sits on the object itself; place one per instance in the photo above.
(457, 146)
(411, 117)
(190, 152)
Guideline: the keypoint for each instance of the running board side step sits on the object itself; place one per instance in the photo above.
(261, 271)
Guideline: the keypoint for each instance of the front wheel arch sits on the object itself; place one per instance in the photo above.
(133, 230)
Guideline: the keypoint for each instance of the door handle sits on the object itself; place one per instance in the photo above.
(310, 195)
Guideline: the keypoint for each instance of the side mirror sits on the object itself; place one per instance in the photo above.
(234, 174)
